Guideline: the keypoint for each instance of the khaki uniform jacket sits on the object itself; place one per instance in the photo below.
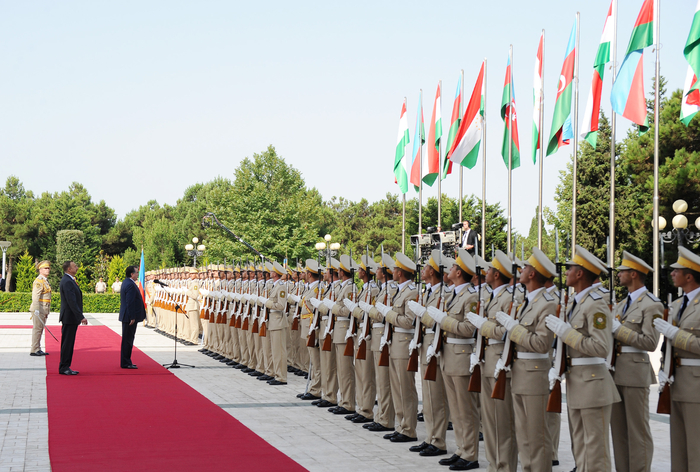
(341, 312)
(400, 316)
(385, 296)
(193, 296)
(277, 304)
(634, 369)
(492, 330)
(590, 386)
(530, 376)
(307, 309)
(368, 294)
(41, 296)
(456, 357)
(686, 345)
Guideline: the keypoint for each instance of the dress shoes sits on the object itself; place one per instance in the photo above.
(481, 436)
(555, 463)
(69, 372)
(342, 411)
(300, 373)
(352, 417)
(266, 377)
(232, 363)
(277, 382)
(449, 426)
(379, 428)
(248, 370)
(325, 404)
(401, 438)
(419, 447)
(308, 396)
(203, 350)
(299, 395)
(431, 451)
(420, 417)
(362, 419)
(132, 366)
(461, 464)
(240, 366)
(369, 425)
(391, 435)
(449, 460)
(37, 354)
(255, 373)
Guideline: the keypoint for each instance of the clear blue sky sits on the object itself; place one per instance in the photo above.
(139, 100)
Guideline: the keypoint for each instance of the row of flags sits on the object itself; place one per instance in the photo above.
(627, 99)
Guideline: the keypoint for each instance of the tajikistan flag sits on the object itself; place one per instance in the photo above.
(690, 103)
(434, 136)
(401, 167)
(592, 114)
(467, 141)
(419, 140)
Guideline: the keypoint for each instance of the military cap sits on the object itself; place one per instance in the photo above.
(630, 262)
(541, 263)
(312, 266)
(587, 260)
(465, 261)
(403, 262)
(347, 264)
(44, 265)
(277, 267)
(387, 262)
(687, 260)
(503, 264)
(368, 264)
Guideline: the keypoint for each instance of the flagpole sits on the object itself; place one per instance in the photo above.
(461, 168)
(509, 124)
(541, 144)
(420, 165)
(575, 170)
(613, 152)
(440, 165)
(483, 167)
(403, 213)
(655, 222)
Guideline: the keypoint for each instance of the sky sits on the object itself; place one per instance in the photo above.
(140, 100)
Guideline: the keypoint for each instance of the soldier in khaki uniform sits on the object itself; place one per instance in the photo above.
(276, 302)
(531, 362)
(682, 332)
(311, 290)
(456, 352)
(401, 321)
(497, 416)
(635, 337)
(589, 386)
(40, 307)
(192, 306)
(436, 412)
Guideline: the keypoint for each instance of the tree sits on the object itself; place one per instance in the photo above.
(70, 246)
(117, 268)
(25, 272)
(83, 281)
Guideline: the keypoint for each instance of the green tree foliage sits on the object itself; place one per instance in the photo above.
(117, 268)
(25, 271)
(70, 246)
(81, 277)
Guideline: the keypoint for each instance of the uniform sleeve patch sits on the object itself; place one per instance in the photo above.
(283, 294)
(600, 321)
(196, 287)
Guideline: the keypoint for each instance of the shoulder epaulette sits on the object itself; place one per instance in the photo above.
(653, 297)
(412, 286)
(522, 289)
(393, 285)
(603, 289)
(448, 289)
(489, 289)
(596, 296)
(547, 296)
(472, 289)
(372, 283)
(509, 288)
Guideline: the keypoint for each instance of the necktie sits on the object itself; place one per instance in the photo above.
(573, 307)
(683, 307)
(627, 305)
(523, 308)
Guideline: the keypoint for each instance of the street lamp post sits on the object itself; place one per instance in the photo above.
(192, 252)
(680, 231)
(327, 248)
(4, 245)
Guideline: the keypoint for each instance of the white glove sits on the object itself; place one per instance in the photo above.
(349, 304)
(476, 320)
(430, 352)
(366, 307)
(328, 303)
(553, 377)
(500, 366)
(239, 297)
(663, 379)
(383, 309)
(665, 328)
(254, 298)
(315, 302)
(557, 326)
(294, 298)
(506, 321)
(263, 300)
(246, 296)
(204, 291)
(615, 325)
(416, 308)
(436, 314)
(412, 345)
(36, 312)
(473, 361)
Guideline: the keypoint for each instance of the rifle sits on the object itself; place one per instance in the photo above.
(245, 311)
(560, 364)
(327, 335)
(386, 337)
(263, 317)
(499, 389)
(352, 328)
(255, 309)
(664, 405)
(297, 308)
(417, 328)
(431, 369)
(315, 322)
(366, 327)
(480, 349)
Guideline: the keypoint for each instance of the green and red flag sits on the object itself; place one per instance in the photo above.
(510, 118)
(562, 129)
(401, 165)
(690, 103)
(434, 135)
(467, 141)
(454, 127)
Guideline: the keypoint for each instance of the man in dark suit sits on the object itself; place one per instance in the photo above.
(468, 238)
(131, 312)
(71, 316)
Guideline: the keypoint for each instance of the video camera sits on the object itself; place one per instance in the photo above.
(432, 240)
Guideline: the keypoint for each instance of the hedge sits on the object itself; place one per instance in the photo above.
(18, 302)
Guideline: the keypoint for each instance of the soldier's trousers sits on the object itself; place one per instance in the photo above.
(532, 432)
(499, 427)
(346, 377)
(37, 331)
(590, 438)
(436, 412)
(633, 445)
(386, 415)
(405, 396)
(365, 387)
(465, 416)
(278, 343)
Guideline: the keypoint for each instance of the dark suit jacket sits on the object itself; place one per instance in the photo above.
(471, 240)
(131, 307)
(71, 301)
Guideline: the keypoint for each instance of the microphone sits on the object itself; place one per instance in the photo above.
(162, 284)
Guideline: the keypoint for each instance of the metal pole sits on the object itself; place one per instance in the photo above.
(573, 209)
(541, 144)
(483, 170)
(4, 250)
(403, 226)
(613, 152)
(440, 163)
(420, 165)
(461, 168)
(510, 149)
(655, 216)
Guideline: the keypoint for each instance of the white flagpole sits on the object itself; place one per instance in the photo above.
(420, 165)
(576, 87)
(461, 168)
(440, 164)
(509, 124)
(483, 169)
(613, 152)
(541, 144)
(655, 225)
(403, 213)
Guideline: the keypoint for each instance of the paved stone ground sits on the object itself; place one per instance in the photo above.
(316, 439)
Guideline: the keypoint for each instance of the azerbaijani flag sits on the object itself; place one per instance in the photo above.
(434, 136)
(465, 148)
(562, 130)
(400, 158)
(537, 92)
(627, 95)
(419, 140)
(690, 103)
(510, 118)
(142, 279)
(592, 114)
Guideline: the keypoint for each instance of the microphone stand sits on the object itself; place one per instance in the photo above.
(174, 364)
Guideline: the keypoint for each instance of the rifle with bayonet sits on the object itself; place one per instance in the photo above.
(328, 333)
(436, 347)
(477, 358)
(245, 313)
(388, 331)
(297, 309)
(499, 388)
(352, 327)
(560, 365)
(263, 316)
(417, 341)
(316, 320)
(664, 405)
(366, 327)
(255, 309)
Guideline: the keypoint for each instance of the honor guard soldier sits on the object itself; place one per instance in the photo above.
(435, 409)
(589, 386)
(531, 363)
(681, 331)
(400, 325)
(385, 417)
(276, 302)
(192, 306)
(365, 387)
(497, 415)
(635, 337)
(311, 290)
(40, 307)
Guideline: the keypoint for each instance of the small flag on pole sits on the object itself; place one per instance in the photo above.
(537, 89)
(467, 141)
(434, 136)
(690, 103)
(562, 129)
(510, 118)
(401, 167)
(418, 141)
(142, 279)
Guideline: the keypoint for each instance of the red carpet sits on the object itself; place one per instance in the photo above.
(113, 419)
(17, 326)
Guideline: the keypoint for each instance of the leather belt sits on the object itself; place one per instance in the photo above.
(588, 361)
(43, 300)
(377, 325)
(403, 330)
(688, 362)
(495, 341)
(531, 355)
(459, 341)
(342, 318)
(630, 349)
